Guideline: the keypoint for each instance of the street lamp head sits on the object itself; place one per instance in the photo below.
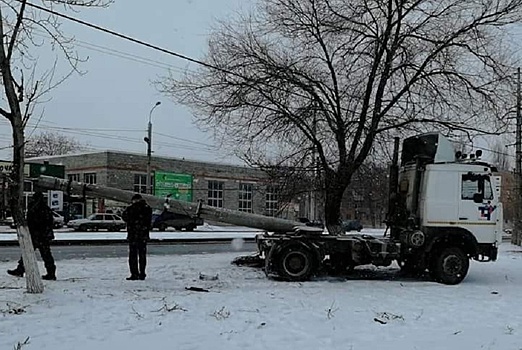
(152, 109)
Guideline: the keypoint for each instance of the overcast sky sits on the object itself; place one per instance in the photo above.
(109, 106)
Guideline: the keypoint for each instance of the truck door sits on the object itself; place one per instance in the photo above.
(477, 207)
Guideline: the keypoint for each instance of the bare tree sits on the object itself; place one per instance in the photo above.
(501, 156)
(333, 77)
(24, 30)
(50, 144)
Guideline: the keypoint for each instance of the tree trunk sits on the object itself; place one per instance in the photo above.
(334, 191)
(34, 282)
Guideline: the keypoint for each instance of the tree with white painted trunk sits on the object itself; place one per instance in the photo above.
(25, 32)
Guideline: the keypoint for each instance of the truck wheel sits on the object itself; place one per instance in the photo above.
(450, 266)
(162, 227)
(177, 228)
(190, 228)
(295, 263)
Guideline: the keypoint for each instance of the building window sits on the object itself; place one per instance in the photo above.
(215, 193)
(245, 197)
(272, 200)
(28, 186)
(89, 178)
(140, 183)
(73, 177)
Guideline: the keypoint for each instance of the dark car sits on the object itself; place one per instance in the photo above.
(351, 225)
(167, 219)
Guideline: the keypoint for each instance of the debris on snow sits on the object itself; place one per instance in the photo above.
(20, 345)
(197, 289)
(204, 277)
(221, 314)
(385, 317)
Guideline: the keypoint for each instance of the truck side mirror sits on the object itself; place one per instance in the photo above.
(478, 198)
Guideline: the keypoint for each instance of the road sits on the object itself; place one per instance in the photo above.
(11, 253)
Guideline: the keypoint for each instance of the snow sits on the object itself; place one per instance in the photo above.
(205, 231)
(92, 306)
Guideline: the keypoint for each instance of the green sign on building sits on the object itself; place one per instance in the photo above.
(178, 185)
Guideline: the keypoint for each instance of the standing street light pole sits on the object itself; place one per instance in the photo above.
(148, 140)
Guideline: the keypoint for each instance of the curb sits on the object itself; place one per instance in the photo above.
(166, 241)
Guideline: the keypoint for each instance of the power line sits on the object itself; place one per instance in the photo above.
(182, 139)
(120, 54)
(126, 37)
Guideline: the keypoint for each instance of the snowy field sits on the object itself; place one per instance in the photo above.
(92, 306)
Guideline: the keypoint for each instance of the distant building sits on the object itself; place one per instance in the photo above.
(219, 185)
(31, 170)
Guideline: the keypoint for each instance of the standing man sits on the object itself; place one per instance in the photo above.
(138, 217)
(40, 222)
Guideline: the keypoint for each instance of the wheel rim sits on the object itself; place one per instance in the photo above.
(452, 265)
(296, 263)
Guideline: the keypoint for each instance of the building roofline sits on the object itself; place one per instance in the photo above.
(43, 158)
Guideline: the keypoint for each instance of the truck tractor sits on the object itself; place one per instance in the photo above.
(443, 210)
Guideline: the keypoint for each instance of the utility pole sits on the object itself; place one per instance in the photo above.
(315, 187)
(148, 140)
(517, 233)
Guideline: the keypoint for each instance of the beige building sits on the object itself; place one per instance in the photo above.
(225, 186)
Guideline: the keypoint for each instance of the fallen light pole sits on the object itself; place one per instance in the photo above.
(176, 206)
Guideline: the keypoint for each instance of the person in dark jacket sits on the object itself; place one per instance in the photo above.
(40, 223)
(138, 217)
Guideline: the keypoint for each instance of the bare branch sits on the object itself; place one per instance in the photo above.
(324, 80)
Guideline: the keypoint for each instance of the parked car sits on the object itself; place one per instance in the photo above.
(166, 219)
(351, 225)
(98, 221)
(58, 220)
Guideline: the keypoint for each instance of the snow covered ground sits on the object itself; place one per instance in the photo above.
(92, 306)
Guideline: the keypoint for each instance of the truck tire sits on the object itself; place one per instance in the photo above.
(295, 262)
(162, 227)
(190, 228)
(449, 266)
